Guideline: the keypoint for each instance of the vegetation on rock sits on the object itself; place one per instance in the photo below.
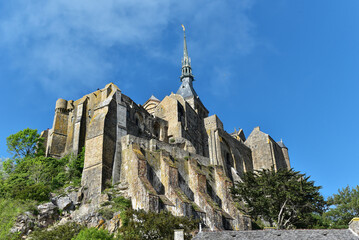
(62, 232)
(142, 225)
(94, 234)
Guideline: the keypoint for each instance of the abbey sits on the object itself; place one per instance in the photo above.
(170, 154)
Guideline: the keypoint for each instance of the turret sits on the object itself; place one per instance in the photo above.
(285, 153)
(57, 135)
(61, 105)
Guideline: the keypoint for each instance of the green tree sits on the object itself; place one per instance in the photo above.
(30, 175)
(24, 143)
(284, 198)
(345, 206)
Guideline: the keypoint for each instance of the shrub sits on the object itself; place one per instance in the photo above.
(106, 213)
(63, 232)
(118, 204)
(94, 234)
(141, 225)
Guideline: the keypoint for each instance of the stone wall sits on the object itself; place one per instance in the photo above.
(182, 185)
(266, 153)
(184, 123)
(226, 151)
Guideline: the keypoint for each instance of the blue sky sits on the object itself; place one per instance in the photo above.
(290, 67)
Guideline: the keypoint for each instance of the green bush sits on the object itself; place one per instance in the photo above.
(94, 234)
(106, 213)
(63, 232)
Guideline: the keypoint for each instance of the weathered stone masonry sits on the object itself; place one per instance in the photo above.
(170, 153)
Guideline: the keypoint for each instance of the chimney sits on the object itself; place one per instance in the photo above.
(179, 234)
(354, 225)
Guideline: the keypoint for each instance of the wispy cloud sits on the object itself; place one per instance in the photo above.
(58, 43)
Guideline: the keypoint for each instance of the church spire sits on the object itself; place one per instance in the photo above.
(186, 89)
(186, 61)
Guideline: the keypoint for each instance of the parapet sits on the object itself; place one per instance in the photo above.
(70, 105)
(213, 122)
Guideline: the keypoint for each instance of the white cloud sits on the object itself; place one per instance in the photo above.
(64, 42)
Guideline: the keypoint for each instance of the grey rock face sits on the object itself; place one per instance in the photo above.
(74, 197)
(65, 203)
(48, 214)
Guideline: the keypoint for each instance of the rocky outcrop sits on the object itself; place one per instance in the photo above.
(24, 224)
(67, 207)
(48, 214)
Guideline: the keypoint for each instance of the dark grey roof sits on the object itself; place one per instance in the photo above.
(186, 89)
(281, 144)
(303, 234)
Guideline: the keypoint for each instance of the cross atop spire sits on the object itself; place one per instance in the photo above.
(186, 61)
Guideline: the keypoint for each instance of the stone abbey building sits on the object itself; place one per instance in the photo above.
(170, 153)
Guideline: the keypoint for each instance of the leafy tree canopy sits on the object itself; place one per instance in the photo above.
(24, 143)
(345, 206)
(30, 175)
(284, 198)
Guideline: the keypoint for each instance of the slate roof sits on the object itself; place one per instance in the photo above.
(303, 234)
(186, 89)
(154, 98)
(281, 144)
